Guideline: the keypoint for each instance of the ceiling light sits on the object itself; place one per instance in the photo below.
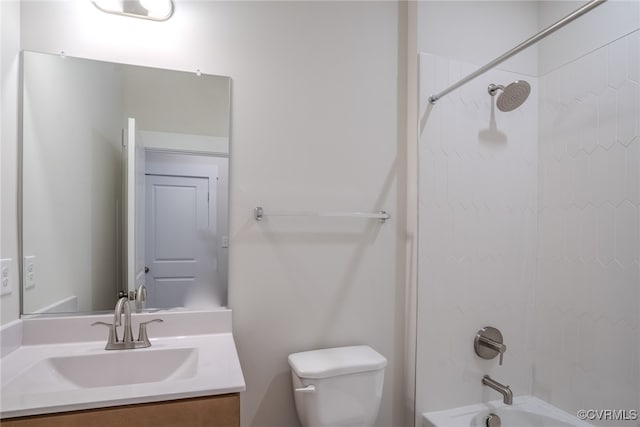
(156, 10)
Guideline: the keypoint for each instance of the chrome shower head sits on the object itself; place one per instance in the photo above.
(512, 96)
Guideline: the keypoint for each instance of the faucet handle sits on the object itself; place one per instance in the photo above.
(113, 333)
(494, 345)
(142, 332)
(488, 343)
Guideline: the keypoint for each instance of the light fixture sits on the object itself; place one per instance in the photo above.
(155, 10)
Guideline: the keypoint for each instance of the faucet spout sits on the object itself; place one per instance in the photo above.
(504, 390)
(122, 306)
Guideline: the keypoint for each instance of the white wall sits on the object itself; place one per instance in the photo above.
(589, 237)
(477, 32)
(10, 50)
(314, 126)
(602, 25)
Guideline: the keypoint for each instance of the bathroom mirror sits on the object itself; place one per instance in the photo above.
(124, 182)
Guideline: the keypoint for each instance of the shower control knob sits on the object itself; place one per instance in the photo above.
(488, 343)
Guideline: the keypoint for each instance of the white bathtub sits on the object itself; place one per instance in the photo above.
(525, 411)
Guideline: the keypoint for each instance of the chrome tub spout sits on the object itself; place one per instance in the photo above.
(504, 390)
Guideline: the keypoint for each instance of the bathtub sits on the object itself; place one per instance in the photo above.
(525, 411)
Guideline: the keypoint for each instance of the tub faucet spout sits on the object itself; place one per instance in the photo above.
(504, 390)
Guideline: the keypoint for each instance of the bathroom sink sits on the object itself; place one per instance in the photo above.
(108, 369)
(62, 364)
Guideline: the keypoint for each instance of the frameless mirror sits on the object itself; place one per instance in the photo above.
(124, 183)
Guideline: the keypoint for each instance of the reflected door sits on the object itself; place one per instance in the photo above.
(177, 224)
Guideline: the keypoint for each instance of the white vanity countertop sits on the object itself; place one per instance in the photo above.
(30, 388)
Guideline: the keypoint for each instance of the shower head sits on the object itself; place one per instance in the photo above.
(513, 95)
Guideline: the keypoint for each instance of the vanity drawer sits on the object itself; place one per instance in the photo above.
(216, 411)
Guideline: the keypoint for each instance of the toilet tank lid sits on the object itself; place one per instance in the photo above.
(330, 362)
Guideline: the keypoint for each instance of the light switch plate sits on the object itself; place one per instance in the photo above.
(5, 276)
(29, 272)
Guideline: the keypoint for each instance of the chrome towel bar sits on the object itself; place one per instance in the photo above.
(259, 213)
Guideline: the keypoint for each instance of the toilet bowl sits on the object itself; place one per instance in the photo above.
(339, 386)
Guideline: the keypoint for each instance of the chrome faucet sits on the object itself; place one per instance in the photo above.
(113, 343)
(504, 390)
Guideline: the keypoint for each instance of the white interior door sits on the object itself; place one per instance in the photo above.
(178, 241)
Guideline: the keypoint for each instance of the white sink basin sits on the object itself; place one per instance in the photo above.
(127, 367)
(117, 367)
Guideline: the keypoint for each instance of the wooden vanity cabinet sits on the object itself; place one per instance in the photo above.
(210, 411)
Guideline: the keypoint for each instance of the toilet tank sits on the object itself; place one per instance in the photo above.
(338, 386)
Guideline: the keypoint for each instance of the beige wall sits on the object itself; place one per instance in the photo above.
(315, 126)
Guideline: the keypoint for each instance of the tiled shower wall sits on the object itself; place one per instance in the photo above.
(477, 227)
(587, 298)
(532, 226)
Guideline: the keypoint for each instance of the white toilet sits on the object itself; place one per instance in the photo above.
(339, 386)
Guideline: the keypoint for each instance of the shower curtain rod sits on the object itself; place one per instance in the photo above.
(525, 44)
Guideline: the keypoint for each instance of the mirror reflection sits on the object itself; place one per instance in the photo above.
(124, 184)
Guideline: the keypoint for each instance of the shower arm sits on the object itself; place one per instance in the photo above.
(525, 44)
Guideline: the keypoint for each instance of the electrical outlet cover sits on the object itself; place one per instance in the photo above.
(5, 277)
(29, 272)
